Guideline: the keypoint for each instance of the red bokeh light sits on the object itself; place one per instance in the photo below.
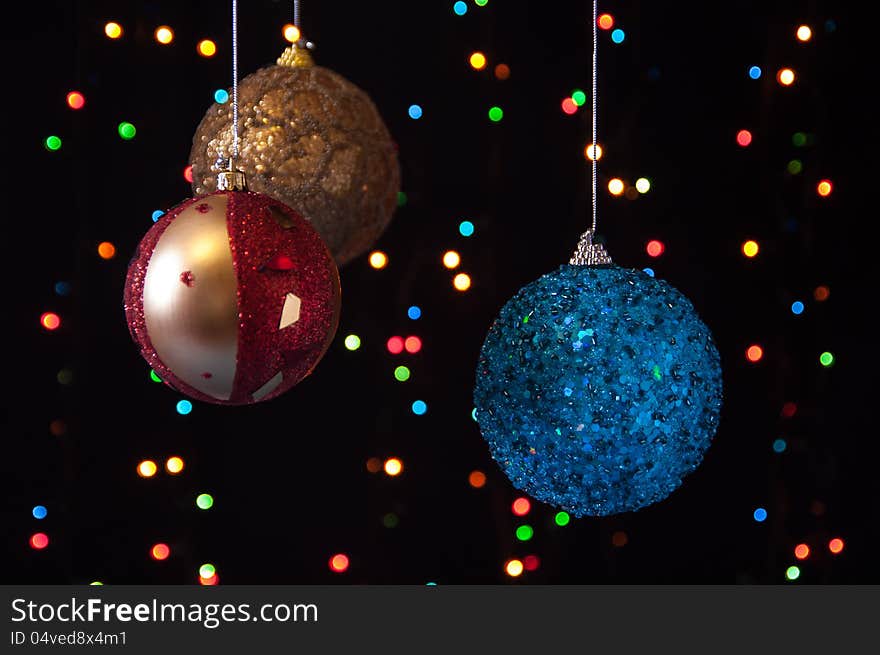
(339, 563)
(395, 345)
(754, 353)
(835, 545)
(789, 409)
(188, 173)
(39, 541)
(521, 506)
(531, 562)
(209, 582)
(743, 138)
(75, 100)
(569, 106)
(160, 552)
(655, 248)
(50, 321)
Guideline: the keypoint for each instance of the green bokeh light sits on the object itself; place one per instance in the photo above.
(826, 359)
(65, 376)
(579, 97)
(52, 143)
(401, 198)
(207, 570)
(496, 114)
(352, 342)
(481, 3)
(799, 139)
(390, 520)
(401, 373)
(154, 377)
(792, 573)
(562, 518)
(794, 166)
(524, 532)
(127, 130)
(205, 501)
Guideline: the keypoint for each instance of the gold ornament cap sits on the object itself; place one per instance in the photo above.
(233, 180)
(296, 56)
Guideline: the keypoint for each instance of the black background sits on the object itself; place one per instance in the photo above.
(288, 476)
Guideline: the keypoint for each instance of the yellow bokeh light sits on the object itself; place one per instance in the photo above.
(207, 48)
(164, 35)
(824, 188)
(291, 33)
(378, 259)
(147, 468)
(750, 248)
(785, 77)
(514, 568)
(174, 465)
(804, 33)
(393, 466)
(462, 282)
(477, 61)
(643, 185)
(593, 153)
(615, 186)
(113, 30)
(451, 259)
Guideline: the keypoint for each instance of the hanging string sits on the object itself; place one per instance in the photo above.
(595, 100)
(296, 17)
(234, 84)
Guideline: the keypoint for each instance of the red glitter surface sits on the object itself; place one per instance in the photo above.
(260, 230)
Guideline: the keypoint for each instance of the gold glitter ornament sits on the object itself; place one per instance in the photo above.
(312, 140)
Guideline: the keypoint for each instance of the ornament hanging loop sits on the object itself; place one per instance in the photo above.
(589, 253)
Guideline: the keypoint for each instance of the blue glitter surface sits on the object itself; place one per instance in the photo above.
(598, 389)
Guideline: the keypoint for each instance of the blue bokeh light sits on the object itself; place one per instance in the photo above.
(157, 215)
(797, 308)
(221, 96)
(755, 72)
(414, 312)
(39, 512)
(649, 271)
(184, 407)
(419, 407)
(466, 228)
(779, 446)
(760, 515)
(460, 8)
(62, 288)
(618, 35)
(415, 112)
(582, 405)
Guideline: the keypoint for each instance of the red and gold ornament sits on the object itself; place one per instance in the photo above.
(232, 297)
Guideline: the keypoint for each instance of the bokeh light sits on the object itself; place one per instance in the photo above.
(743, 138)
(52, 143)
(339, 562)
(58, 428)
(415, 112)
(569, 106)
(804, 33)
(531, 562)
(579, 97)
(466, 228)
(760, 514)
(126, 130)
(401, 373)
(826, 359)
(594, 153)
(65, 376)
(155, 376)
(39, 512)
(502, 71)
(207, 48)
(378, 259)
(352, 342)
(395, 345)
(521, 506)
(477, 60)
(792, 573)
(824, 188)
(797, 308)
(419, 407)
(655, 248)
(477, 479)
(615, 186)
(794, 166)
(750, 248)
(562, 518)
(451, 259)
(39, 541)
(414, 312)
(164, 34)
(50, 321)
(513, 568)
(462, 282)
(785, 76)
(836, 546)
(106, 250)
(75, 100)
(643, 185)
(204, 501)
(174, 465)
(802, 551)
(147, 468)
(754, 353)
(605, 21)
(619, 539)
(62, 288)
(160, 552)
(789, 409)
(393, 466)
(188, 173)
(799, 139)
(495, 114)
(821, 293)
(184, 407)
(412, 344)
(525, 532)
(618, 35)
(755, 72)
(779, 445)
(291, 33)
(209, 582)
(113, 30)
(459, 8)
(207, 570)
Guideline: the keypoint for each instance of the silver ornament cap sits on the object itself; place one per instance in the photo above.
(588, 253)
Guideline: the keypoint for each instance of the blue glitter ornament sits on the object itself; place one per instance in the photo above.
(598, 389)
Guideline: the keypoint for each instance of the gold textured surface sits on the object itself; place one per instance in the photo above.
(314, 141)
(193, 325)
(295, 56)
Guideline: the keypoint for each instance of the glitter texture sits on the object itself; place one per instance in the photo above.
(314, 141)
(598, 389)
(260, 230)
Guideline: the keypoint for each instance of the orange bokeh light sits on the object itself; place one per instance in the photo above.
(821, 293)
(605, 21)
(374, 465)
(502, 71)
(655, 248)
(754, 353)
(75, 100)
(393, 466)
(160, 552)
(514, 568)
(785, 77)
(824, 188)
(802, 551)
(106, 250)
(412, 345)
(835, 545)
(521, 506)
(339, 563)
(50, 321)
(477, 479)
(147, 468)
(619, 539)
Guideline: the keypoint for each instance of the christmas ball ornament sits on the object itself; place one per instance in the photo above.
(598, 387)
(314, 141)
(232, 297)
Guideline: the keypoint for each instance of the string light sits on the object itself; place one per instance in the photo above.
(451, 259)
(562, 518)
(291, 33)
(750, 248)
(826, 359)
(39, 512)
(207, 48)
(183, 407)
(374, 465)
(209, 582)
(569, 106)
(164, 34)
(531, 562)
(462, 282)
(466, 228)
(760, 515)
(378, 259)
(525, 532)
(126, 130)
(113, 30)
(401, 373)
(797, 308)
(477, 61)
(578, 97)
(785, 76)
(619, 539)
(794, 166)
(459, 8)
(414, 313)
(779, 446)
(419, 407)
(207, 570)
(154, 376)
(618, 35)
(147, 468)
(188, 173)
(615, 186)
(393, 466)
(755, 72)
